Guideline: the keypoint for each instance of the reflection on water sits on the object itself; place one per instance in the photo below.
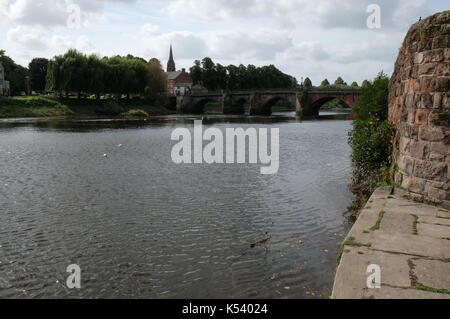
(141, 226)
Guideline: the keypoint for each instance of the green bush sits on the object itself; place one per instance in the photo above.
(370, 139)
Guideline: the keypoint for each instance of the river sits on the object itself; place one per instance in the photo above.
(140, 226)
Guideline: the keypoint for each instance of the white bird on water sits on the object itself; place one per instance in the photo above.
(105, 155)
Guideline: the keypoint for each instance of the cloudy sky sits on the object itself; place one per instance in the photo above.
(315, 38)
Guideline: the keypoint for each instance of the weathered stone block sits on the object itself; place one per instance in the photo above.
(406, 164)
(415, 185)
(418, 149)
(442, 84)
(442, 41)
(430, 170)
(418, 58)
(427, 68)
(437, 100)
(422, 116)
(442, 69)
(431, 133)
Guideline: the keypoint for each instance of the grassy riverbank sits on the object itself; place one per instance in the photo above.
(43, 106)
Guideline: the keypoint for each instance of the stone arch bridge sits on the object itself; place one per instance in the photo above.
(260, 102)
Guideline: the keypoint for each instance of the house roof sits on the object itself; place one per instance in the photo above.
(173, 75)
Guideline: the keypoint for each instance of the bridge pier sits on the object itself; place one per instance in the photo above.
(231, 106)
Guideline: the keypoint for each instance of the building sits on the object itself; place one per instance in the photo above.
(4, 85)
(178, 82)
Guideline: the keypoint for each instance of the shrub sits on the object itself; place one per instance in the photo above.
(136, 113)
(370, 139)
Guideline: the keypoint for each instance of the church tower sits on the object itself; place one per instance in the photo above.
(171, 63)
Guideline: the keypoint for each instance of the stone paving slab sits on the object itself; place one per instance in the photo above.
(434, 220)
(401, 236)
(426, 270)
(401, 293)
(432, 230)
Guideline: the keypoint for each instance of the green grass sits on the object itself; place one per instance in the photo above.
(32, 107)
(430, 289)
(46, 106)
(414, 226)
(442, 217)
(378, 223)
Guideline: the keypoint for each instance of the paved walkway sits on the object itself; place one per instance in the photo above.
(410, 242)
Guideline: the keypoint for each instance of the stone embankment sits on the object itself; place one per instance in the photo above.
(419, 107)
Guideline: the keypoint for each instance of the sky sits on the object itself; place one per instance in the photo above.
(305, 38)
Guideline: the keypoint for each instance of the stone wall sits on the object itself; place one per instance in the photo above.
(419, 106)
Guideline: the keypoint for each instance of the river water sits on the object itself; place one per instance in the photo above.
(140, 226)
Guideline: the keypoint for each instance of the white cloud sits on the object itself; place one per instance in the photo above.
(150, 29)
(321, 38)
(46, 12)
(324, 13)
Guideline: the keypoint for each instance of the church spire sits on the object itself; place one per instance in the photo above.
(171, 63)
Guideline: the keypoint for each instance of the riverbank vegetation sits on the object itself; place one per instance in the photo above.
(32, 107)
(47, 106)
(94, 76)
(370, 140)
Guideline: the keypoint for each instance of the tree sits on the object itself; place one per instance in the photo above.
(215, 76)
(307, 83)
(374, 99)
(54, 79)
(74, 72)
(355, 85)
(38, 73)
(325, 83)
(339, 81)
(209, 78)
(365, 83)
(95, 75)
(14, 73)
(157, 80)
(196, 72)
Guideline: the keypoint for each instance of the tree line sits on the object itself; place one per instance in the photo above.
(218, 77)
(117, 75)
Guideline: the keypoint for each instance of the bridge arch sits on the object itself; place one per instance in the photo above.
(316, 101)
(268, 102)
(200, 105)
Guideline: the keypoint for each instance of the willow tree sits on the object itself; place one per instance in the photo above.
(73, 71)
(157, 81)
